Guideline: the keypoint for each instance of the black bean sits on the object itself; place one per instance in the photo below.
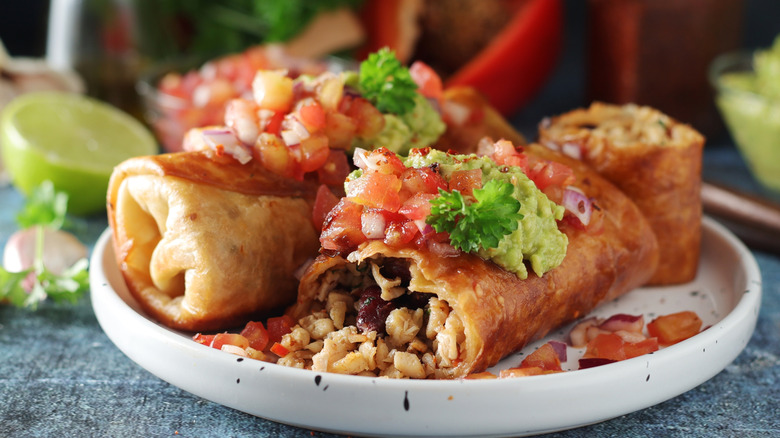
(373, 310)
(396, 268)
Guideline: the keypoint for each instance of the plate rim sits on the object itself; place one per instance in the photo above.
(736, 327)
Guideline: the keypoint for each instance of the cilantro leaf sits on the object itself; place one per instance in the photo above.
(479, 224)
(386, 83)
(45, 206)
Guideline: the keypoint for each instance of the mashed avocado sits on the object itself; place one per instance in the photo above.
(418, 128)
(750, 104)
(537, 239)
(765, 78)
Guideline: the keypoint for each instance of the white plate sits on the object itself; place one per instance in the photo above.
(726, 295)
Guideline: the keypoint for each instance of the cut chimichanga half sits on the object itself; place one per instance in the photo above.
(655, 160)
(392, 294)
(205, 242)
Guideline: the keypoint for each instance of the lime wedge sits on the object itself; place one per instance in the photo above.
(72, 140)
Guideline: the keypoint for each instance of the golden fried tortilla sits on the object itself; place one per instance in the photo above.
(655, 160)
(204, 242)
(489, 312)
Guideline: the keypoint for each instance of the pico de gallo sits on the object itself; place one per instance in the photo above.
(302, 126)
(499, 205)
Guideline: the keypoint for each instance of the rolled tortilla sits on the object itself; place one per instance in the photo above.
(461, 314)
(204, 242)
(655, 160)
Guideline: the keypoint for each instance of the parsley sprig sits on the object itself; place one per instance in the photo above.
(386, 83)
(45, 208)
(477, 224)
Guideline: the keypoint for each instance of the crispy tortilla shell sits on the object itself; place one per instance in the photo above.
(656, 161)
(500, 312)
(204, 242)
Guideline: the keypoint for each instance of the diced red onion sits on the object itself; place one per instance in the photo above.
(229, 142)
(630, 337)
(364, 160)
(594, 362)
(578, 336)
(425, 228)
(373, 224)
(293, 131)
(622, 321)
(573, 150)
(560, 349)
(578, 204)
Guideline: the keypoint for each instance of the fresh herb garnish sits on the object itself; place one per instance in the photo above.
(386, 83)
(478, 224)
(45, 208)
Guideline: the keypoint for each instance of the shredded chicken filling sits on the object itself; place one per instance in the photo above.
(368, 322)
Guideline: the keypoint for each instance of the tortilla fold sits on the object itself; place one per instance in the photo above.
(204, 242)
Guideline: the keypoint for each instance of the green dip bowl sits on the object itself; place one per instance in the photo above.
(753, 118)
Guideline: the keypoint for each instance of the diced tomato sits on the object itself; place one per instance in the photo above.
(418, 206)
(399, 233)
(229, 338)
(340, 129)
(312, 116)
(203, 339)
(273, 90)
(674, 328)
(279, 326)
(279, 350)
(635, 349)
(505, 154)
(605, 346)
(368, 120)
(428, 81)
(544, 357)
(341, 230)
(423, 180)
(335, 169)
(256, 334)
(374, 189)
(551, 174)
(465, 181)
(272, 122)
(314, 152)
(323, 204)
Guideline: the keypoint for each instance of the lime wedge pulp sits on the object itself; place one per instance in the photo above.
(72, 140)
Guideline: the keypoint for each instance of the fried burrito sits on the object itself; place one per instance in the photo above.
(204, 242)
(461, 260)
(655, 160)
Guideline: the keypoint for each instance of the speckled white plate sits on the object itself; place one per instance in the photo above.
(726, 295)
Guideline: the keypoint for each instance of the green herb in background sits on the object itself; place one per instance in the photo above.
(212, 27)
(479, 224)
(45, 208)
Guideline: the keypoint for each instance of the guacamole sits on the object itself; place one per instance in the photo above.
(537, 239)
(750, 104)
(765, 77)
(418, 128)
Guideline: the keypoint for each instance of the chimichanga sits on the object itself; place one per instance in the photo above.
(655, 160)
(418, 308)
(205, 242)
